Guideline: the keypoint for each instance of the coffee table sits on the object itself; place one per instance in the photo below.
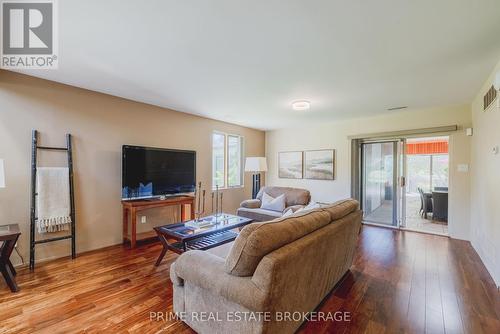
(191, 238)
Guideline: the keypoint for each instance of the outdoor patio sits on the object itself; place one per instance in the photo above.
(414, 220)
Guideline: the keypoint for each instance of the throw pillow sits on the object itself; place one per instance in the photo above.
(287, 213)
(273, 204)
(311, 206)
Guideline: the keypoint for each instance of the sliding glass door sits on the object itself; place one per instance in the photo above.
(394, 177)
(380, 170)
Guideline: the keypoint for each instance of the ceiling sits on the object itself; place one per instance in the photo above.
(245, 61)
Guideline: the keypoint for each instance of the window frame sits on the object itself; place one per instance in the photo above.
(226, 159)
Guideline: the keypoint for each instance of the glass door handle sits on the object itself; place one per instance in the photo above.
(402, 181)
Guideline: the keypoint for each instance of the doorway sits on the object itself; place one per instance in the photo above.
(379, 182)
(403, 183)
(427, 165)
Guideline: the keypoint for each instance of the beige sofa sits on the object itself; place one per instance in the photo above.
(295, 198)
(286, 265)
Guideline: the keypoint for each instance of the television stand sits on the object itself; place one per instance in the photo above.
(164, 198)
(135, 206)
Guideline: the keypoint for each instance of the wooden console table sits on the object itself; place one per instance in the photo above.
(133, 207)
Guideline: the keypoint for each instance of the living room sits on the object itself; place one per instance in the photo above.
(268, 112)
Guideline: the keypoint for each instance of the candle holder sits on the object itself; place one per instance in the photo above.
(220, 210)
(213, 195)
(218, 201)
(199, 196)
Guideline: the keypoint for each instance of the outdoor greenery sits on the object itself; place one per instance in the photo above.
(427, 171)
(218, 157)
(226, 147)
(234, 161)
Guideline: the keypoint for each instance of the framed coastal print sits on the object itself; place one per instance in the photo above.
(319, 165)
(290, 165)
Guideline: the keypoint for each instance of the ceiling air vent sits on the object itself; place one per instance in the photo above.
(490, 96)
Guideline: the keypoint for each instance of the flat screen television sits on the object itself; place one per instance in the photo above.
(149, 172)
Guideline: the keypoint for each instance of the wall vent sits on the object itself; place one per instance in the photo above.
(490, 97)
(397, 108)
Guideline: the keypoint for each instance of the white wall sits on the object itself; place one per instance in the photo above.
(485, 180)
(100, 125)
(335, 136)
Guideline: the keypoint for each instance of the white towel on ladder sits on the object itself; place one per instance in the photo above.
(53, 201)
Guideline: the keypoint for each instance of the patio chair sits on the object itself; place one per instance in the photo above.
(421, 193)
(426, 201)
(440, 205)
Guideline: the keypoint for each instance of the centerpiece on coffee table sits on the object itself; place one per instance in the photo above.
(200, 233)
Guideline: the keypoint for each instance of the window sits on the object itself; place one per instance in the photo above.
(234, 172)
(227, 157)
(427, 171)
(218, 159)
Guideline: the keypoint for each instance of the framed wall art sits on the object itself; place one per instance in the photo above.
(319, 165)
(290, 165)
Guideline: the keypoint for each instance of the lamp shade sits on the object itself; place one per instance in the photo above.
(256, 164)
(2, 175)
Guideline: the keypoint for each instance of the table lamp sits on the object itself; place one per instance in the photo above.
(255, 165)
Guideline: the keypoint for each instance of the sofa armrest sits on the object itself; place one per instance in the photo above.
(206, 271)
(251, 204)
(176, 280)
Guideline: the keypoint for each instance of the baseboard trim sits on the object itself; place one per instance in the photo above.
(490, 267)
(78, 254)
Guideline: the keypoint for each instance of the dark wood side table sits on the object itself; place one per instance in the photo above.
(134, 206)
(9, 235)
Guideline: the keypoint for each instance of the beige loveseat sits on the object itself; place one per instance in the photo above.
(286, 265)
(295, 198)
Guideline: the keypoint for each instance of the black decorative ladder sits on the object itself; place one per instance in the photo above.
(34, 149)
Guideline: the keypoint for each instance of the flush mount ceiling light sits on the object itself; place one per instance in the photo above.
(301, 105)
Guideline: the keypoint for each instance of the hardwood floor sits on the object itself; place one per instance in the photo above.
(401, 282)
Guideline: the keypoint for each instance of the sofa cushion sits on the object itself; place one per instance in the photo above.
(341, 208)
(273, 204)
(258, 215)
(293, 196)
(221, 251)
(259, 239)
